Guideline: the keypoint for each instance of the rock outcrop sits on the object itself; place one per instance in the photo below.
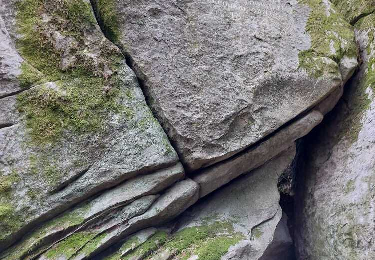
(160, 129)
(336, 206)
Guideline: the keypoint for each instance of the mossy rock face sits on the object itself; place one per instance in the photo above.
(332, 41)
(80, 117)
(354, 10)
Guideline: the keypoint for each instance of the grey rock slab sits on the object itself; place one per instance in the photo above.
(216, 176)
(222, 75)
(75, 221)
(141, 237)
(94, 231)
(281, 247)
(331, 101)
(8, 111)
(137, 187)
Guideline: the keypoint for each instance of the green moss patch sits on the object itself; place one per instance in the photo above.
(9, 220)
(148, 247)
(208, 242)
(69, 246)
(86, 89)
(354, 9)
(36, 241)
(331, 37)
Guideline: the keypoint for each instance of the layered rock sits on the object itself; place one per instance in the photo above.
(236, 222)
(222, 76)
(74, 120)
(85, 164)
(336, 211)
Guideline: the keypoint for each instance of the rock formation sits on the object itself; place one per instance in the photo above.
(161, 129)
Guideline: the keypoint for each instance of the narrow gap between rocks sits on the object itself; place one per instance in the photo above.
(296, 175)
(6, 125)
(14, 93)
(131, 64)
(359, 17)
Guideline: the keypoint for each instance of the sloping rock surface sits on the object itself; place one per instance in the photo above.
(223, 75)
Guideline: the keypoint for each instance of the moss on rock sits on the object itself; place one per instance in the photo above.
(9, 220)
(148, 247)
(358, 97)
(331, 38)
(354, 9)
(69, 246)
(209, 241)
(108, 18)
(54, 44)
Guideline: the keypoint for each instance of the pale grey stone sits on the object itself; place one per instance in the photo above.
(173, 202)
(248, 203)
(10, 63)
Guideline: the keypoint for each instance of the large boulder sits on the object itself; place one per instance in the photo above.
(73, 118)
(335, 213)
(220, 75)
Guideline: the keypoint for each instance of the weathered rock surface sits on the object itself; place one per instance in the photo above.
(81, 128)
(336, 207)
(99, 237)
(221, 75)
(236, 222)
(86, 171)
